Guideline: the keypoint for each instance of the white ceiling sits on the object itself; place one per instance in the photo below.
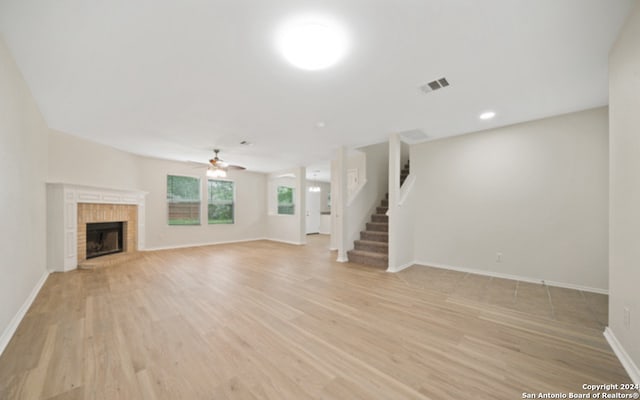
(174, 79)
(319, 171)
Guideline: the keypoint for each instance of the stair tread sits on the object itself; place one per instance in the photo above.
(377, 226)
(373, 248)
(375, 236)
(381, 256)
(372, 243)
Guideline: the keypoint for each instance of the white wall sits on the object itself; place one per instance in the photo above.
(78, 161)
(356, 173)
(337, 206)
(250, 206)
(624, 261)
(287, 228)
(23, 161)
(535, 192)
(325, 218)
(402, 208)
(325, 190)
(358, 211)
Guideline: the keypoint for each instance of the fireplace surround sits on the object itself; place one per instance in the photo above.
(71, 207)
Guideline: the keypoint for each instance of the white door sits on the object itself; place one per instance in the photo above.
(313, 212)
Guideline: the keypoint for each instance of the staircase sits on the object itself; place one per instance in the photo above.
(373, 246)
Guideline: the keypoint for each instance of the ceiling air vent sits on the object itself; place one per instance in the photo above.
(434, 85)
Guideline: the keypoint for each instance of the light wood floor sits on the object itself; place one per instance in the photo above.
(264, 320)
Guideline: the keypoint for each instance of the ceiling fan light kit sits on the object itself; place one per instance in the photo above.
(216, 172)
(219, 168)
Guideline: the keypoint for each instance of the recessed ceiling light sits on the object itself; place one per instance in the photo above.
(321, 124)
(487, 115)
(312, 42)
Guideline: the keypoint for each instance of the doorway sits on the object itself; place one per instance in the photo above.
(313, 212)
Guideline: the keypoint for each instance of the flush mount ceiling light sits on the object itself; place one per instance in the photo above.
(312, 42)
(487, 115)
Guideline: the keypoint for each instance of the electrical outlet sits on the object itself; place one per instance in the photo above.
(627, 317)
(498, 257)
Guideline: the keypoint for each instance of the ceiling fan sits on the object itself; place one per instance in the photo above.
(219, 168)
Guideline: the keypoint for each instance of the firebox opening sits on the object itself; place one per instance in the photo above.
(104, 238)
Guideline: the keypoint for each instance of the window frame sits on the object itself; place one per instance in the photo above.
(233, 201)
(199, 200)
(293, 200)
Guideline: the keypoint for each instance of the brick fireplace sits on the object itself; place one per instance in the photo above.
(69, 209)
(92, 213)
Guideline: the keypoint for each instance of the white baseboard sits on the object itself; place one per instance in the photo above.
(10, 330)
(285, 241)
(573, 286)
(400, 268)
(626, 361)
(514, 277)
(184, 246)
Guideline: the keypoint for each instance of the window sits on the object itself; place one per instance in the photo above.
(183, 199)
(220, 202)
(285, 200)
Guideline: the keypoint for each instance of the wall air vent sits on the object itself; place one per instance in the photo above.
(434, 85)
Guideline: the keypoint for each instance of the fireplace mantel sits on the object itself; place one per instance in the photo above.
(62, 218)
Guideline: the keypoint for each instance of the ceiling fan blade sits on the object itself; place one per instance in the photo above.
(218, 163)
